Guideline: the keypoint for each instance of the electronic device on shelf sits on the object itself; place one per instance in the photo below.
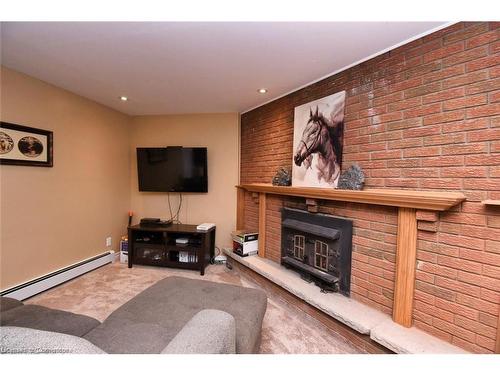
(182, 240)
(205, 226)
(150, 220)
(149, 238)
(154, 221)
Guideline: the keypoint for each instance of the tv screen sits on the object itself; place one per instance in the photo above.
(172, 169)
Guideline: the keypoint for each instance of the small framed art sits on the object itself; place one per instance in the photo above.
(23, 145)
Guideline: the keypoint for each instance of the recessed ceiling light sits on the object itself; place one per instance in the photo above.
(262, 91)
(123, 98)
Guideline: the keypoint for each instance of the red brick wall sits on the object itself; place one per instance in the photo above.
(422, 116)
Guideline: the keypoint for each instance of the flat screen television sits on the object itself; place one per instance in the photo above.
(172, 169)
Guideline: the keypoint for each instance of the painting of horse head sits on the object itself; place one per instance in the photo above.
(317, 140)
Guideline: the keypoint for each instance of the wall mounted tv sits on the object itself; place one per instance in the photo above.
(172, 169)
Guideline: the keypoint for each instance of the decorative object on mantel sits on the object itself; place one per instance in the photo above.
(282, 177)
(23, 145)
(352, 179)
(317, 141)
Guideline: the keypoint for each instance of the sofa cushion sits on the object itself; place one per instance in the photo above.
(149, 321)
(7, 303)
(20, 340)
(45, 319)
(208, 332)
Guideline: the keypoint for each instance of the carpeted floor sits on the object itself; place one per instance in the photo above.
(286, 329)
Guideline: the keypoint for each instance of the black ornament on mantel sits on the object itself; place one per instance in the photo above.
(352, 179)
(282, 177)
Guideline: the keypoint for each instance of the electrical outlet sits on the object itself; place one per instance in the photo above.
(108, 241)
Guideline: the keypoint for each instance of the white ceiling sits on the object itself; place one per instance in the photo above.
(181, 67)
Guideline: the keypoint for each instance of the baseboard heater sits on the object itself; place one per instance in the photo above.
(43, 283)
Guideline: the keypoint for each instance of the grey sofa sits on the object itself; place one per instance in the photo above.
(175, 315)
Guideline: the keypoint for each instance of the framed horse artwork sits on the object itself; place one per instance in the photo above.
(317, 142)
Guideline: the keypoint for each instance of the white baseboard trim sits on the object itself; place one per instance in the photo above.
(50, 280)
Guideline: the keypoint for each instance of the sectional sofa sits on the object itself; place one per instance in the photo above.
(175, 315)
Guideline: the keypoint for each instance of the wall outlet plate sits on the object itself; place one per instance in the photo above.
(108, 241)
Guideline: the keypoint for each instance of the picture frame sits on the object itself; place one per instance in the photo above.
(24, 145)
(318, 138)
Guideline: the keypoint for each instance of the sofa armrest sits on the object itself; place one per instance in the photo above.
(21, 340)
(7, 303)
(208, 332)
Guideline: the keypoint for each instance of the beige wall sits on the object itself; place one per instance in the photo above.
(217, 132)
(53, 217)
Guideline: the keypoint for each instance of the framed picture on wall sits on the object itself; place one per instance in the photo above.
(318, 142)
(23, 145)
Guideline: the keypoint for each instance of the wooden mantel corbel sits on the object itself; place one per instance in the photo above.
(312, 205)
(407, 202)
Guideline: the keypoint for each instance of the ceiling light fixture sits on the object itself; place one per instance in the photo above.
(123, 98)
(262, 91)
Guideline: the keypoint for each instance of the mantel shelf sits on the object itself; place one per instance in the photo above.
(426, 200)
(491, 202)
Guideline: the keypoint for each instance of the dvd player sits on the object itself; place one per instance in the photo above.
(153, 221)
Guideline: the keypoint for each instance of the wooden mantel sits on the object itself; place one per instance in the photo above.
(407, 201)
(424, 200)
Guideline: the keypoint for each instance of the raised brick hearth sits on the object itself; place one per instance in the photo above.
(424, 116)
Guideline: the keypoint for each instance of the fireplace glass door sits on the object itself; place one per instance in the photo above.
(321, 255)
(298, 246)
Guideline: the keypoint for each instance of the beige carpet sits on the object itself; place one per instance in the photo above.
(286, 329)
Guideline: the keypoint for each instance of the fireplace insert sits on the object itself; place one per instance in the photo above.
(318, 247)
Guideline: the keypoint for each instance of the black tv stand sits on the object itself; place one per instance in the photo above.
(156, 245)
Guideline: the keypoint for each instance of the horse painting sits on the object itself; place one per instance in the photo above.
(318, 138)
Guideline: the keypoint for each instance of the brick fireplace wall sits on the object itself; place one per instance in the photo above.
(424, 116)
